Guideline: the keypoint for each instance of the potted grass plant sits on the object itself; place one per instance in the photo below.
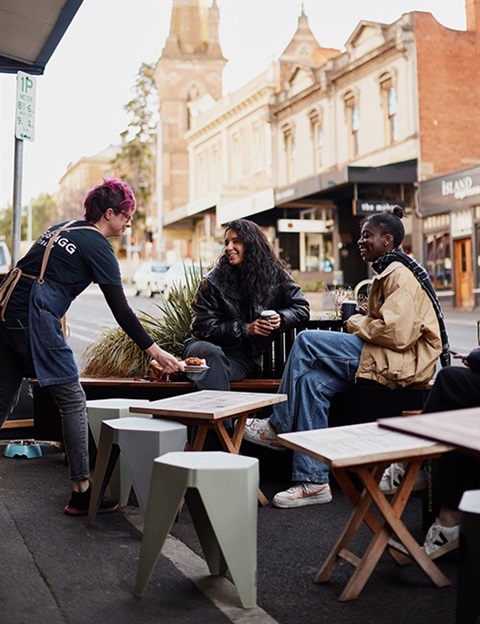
(114, 354)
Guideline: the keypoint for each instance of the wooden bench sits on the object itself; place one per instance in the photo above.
(365, 403)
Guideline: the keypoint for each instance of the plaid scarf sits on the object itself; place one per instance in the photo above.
(398, 255)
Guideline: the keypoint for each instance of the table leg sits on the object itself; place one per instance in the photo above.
(392, 514)
(199, 439)
(392, 523)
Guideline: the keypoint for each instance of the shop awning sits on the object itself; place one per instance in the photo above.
(323, 185)
(30, 31)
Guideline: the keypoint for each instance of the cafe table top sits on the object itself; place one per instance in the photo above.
(363, 444)
(210, 405)
(460, 427)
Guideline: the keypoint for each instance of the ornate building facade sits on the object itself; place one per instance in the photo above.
(320, 139)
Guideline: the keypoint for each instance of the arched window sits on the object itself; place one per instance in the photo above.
(316, 123)
(389, 107)
(289, 143)
(353, 122)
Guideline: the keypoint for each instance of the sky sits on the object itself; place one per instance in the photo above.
(88, 80)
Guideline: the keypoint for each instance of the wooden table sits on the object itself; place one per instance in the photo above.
(458, 427)
(208, 409)
(366, 450)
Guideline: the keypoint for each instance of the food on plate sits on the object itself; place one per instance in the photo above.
(194, 361)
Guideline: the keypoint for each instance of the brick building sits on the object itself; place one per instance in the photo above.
(321, 138)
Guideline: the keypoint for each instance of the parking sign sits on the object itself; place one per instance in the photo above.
(25, 107)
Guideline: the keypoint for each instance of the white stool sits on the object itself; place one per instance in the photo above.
(141, 440)
(99, 410)
(220, 490)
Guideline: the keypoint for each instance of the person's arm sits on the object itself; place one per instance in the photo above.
(209, 321)
(128, 321)
(294, 309)
(473, 360)
(397, 324)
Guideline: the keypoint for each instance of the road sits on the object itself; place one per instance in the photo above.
(89, 316)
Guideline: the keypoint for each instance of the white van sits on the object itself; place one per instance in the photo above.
(5, 258)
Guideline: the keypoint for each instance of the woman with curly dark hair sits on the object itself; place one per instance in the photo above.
(227, 328)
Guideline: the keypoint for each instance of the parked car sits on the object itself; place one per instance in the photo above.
(149, 278)
(5, 258)
(176, 274)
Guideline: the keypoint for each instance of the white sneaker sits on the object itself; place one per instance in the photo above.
(303, 494)
(440, 540)
(393, 475)
(260, 431)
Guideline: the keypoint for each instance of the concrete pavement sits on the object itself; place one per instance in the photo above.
(55, 570)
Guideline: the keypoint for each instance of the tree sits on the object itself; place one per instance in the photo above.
(135, 162)
(44, 212)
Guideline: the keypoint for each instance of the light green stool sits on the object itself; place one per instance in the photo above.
(220, 490)
(140, 440)
(99, 410)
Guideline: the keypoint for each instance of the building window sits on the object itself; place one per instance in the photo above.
(353, 123)
(318, 140)
(237, 169)
(257, 147)
(439, 260)
(289, 142)
(389, 105)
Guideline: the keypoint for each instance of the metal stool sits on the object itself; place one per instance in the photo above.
(106, 409)
(141, 440)
(220, 490)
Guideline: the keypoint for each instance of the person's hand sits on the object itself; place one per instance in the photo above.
(167, 361)
(261, 327)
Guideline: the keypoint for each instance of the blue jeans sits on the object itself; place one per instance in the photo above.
(16, 363)
(320, 364)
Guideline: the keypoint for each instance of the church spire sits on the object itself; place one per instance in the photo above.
(193, 30)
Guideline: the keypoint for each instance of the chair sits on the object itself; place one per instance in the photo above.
(141, 440)
(107, 409)
(220, 490)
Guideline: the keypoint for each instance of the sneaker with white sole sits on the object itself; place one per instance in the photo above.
(303, 494)
(439, 541)
(393, 476)
(260, 431)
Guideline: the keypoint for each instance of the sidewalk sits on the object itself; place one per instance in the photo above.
(55, 570)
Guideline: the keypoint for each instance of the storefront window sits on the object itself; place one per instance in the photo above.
(439, 260)
(319, 253)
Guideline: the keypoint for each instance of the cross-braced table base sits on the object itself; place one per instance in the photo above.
(382, 527)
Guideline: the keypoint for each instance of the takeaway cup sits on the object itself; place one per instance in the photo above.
(267, 314)
(348, 308)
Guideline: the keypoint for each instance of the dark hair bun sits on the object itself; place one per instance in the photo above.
(397, 211)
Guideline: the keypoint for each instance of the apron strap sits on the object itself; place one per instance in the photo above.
(7, 287)
(15, 274)
(51, 242)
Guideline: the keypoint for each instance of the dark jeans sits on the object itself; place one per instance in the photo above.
(226, 365)
(455, 387)
(16, 364)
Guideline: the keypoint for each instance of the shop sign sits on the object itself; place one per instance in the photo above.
(316, 226)
(455, 191)
(366, 207)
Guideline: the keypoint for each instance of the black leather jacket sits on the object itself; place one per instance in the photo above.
(220, 316)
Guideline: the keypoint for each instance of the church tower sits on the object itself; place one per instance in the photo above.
(189, 68)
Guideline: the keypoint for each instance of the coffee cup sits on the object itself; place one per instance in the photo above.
(266, 315)
(348, 308)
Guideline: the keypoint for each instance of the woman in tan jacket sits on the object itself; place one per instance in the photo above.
(396, 343)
